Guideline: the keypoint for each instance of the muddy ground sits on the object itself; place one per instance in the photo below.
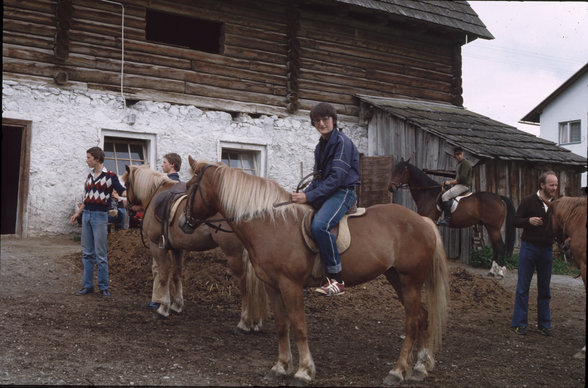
(50, 336)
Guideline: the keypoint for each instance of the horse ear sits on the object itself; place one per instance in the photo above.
(191, 162)
(127, 168)
(408, 160)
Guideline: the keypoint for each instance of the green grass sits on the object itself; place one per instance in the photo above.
(482, 258)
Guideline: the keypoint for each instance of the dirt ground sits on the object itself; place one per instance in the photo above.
(50, 336)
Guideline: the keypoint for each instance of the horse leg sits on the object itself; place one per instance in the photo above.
(293, 299)
(254, 304)
(284, 367)
(410, 298)
(161, 279)
(498, 252)
(178, 267)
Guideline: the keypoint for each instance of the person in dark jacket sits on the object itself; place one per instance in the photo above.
(332, 192)
(536, 253)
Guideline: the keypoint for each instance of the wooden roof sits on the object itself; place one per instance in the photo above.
(453, 15)
(477, 134)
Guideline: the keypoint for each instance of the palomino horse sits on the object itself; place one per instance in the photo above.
(484, 208)
(568, 217)
(389, 239)
(569, 220)
(143, 184)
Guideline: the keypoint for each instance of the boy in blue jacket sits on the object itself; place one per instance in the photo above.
(332, 192)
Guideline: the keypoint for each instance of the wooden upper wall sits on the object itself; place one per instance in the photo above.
(277, 57)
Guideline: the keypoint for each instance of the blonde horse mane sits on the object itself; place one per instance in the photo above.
(245, 196)
(145, 180)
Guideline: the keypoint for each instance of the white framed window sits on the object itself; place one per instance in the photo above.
(570, 132)
(119, 152)
(126, 148)
(248, 157)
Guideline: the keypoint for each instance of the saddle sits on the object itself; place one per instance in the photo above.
(164, 208)
(454, 201)
(340, 230)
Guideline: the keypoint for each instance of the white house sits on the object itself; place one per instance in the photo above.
(563, 115)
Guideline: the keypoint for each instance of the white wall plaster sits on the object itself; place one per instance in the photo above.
(66, 122)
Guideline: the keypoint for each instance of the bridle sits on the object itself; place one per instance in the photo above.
(192, 223)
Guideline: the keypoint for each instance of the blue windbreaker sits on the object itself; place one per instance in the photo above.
(337, 168)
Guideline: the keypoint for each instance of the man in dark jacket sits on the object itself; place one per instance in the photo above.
(536, 253)
(332, 192)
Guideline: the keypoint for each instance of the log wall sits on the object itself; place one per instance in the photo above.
(276, 56)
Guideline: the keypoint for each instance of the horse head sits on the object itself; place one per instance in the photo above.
(400, 175)
(127, 179)
(198, 209)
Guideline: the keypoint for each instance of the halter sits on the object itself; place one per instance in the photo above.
(192, 223)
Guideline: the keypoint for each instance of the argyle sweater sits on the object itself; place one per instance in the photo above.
(98, 191)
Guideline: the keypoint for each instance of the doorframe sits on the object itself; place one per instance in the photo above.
(23, 175)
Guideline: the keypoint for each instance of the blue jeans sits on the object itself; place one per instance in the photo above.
(94, 244)
(329, 215)
(531, 257)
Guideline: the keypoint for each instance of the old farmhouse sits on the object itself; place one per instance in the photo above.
(233, 80)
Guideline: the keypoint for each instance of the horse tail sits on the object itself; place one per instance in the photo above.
(437, 289)
(509, 229)
(258, 305)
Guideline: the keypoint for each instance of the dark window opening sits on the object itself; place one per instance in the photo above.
(193, 33)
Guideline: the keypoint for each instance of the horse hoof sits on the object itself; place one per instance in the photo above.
(273, 376)
(240, 331)
(297, 382)
(581, 355)
(158, 317)
(392, 380)
(417, 376)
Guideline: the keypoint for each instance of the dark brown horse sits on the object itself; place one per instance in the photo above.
(488, 209)
(389, 239)
(568, 217)
(143, 184)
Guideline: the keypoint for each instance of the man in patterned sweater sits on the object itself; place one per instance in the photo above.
(98, 187)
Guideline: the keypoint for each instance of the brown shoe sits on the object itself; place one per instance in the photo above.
(331, 287)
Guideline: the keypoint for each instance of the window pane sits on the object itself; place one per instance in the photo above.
(122, 150)
(563, 133)
(108, 149)
(575, 134)
(137, 152)
(110, 165)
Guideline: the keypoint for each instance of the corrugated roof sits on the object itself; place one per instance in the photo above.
(454, 15)
(477, 134)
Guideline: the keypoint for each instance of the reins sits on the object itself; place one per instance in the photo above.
(192, 223)
(301, 185)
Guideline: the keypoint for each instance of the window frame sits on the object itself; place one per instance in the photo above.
(565, 132)
(146, 140)
(259, 150)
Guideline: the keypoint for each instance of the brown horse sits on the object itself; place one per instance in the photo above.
(388, 239)
(568, 217)
(143, 184)
(484, 208)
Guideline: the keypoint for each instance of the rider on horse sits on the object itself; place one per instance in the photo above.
(462, 182)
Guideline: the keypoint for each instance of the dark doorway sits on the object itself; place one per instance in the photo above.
(12, 138)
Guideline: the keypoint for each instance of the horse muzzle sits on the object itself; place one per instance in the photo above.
(392, 187)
